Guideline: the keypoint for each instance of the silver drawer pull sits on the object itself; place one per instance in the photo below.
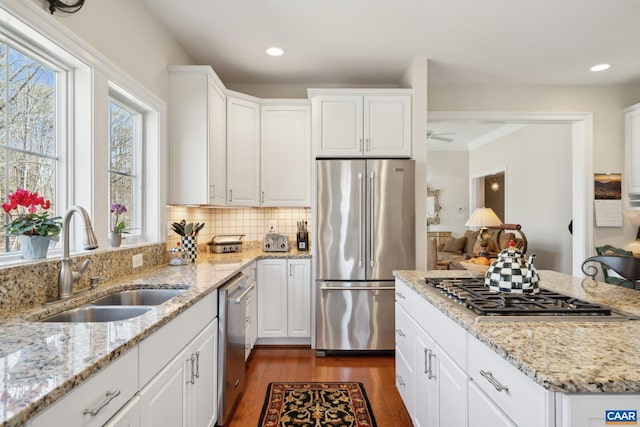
(399, 332)
(430, 374)
(110, 396)
(489, 376)
(400, 295)
(400, 381)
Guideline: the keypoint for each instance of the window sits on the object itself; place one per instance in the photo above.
(29, 114)
(124, 165)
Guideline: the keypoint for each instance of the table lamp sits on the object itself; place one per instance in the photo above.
(483, 218)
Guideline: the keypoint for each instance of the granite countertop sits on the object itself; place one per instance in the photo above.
(568, 356)
(41, 362)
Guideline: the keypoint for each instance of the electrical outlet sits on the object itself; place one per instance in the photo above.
(272, 226)
(137, 261)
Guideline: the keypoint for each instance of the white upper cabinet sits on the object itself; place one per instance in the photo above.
(285, 141)
(353, 123)
(632, 150)
(243, 150)
(197, 136)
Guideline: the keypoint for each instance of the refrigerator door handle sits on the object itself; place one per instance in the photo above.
(371, 217)
(360, 215)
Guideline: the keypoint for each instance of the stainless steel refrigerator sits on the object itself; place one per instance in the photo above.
(365, 230)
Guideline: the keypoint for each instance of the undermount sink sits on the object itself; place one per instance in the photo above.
(138, 297)
(97, 314)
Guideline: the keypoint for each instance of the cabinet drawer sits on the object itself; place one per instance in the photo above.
(524, 401)
(404, 334)
(113, 386)
(404, 294)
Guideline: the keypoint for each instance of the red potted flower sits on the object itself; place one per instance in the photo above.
(30, 221)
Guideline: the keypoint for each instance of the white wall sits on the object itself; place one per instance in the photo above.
(606, 103)
(126, 33)
(538, 187)
(448, 171)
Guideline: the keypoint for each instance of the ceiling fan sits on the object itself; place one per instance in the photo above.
(439, 137)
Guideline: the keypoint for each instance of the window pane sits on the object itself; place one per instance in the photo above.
(28, 134)
(122, 192)
(121, 127)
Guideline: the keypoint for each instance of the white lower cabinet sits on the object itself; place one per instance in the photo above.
(184, 392)
(98, 398)
(284, 299)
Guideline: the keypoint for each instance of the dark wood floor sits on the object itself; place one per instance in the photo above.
(273, 364)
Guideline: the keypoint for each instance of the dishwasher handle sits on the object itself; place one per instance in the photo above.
(357, 288)
(240, 297)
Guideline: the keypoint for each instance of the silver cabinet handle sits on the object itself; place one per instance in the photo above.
(361, 147)
(426, 360)
(400, 295)
(110, 396)
(430, 374)
(368, 144)
(197, 364)
(290, 270)
(400, 381)
(262, 197)
(192, 359)
(400, 333)
(489, 377)
(230, 195)
(371, 217)
(358, 288)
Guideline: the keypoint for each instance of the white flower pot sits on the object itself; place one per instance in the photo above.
(34, 247)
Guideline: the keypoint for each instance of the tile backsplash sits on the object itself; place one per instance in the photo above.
(252, 222)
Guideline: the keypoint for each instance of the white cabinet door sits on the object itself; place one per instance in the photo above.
(163, 400)
(452, 388)
(203, 396)
(483, 412)
(387, 126)
(217, 144)
(285, 145)
(128, 416)
(426, 388)
(272, 298)
(197, 135)
(405, 344)
(632, 149)
(299, 298)
(337, 125)
(243, 152)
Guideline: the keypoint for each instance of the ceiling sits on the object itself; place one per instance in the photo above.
(372, 42)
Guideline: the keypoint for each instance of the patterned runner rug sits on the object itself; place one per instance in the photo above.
(316, 405)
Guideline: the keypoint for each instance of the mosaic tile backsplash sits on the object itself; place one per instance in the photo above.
(253, 222)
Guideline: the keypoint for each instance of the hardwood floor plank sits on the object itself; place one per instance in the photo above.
(278, 364)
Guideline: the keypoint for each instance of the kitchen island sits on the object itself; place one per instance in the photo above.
(568, 359)
(42, 362)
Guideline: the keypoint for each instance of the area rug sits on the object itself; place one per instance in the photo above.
(332, 404)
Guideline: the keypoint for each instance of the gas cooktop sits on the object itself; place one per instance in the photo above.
(472, 293)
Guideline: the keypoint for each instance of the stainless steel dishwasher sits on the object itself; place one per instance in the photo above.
(232, 324)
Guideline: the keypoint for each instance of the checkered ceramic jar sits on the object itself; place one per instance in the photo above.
(190, 248)
(510, 272)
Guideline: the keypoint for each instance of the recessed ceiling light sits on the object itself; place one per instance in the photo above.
(275, 51)
(600, 67)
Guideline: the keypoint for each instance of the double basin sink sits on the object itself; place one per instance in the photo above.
(120, 305)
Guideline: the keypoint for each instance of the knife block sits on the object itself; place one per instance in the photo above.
(303, 241)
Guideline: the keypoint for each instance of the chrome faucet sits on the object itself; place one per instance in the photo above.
(68, 276)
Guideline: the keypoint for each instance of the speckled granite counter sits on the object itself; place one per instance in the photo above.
(41, 362)
(569, 356)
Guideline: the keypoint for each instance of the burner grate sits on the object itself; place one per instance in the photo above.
(472, 293)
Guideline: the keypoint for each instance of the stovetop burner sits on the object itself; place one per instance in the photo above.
(472, 293)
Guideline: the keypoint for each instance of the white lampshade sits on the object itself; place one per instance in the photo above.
(483, 217)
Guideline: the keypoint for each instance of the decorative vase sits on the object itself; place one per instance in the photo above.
(115, 240)
(34, 247)
(190, 247)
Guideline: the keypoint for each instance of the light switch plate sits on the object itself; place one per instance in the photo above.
(137, 261)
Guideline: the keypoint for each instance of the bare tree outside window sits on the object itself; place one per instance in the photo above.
(28, 134)
(122, 161)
